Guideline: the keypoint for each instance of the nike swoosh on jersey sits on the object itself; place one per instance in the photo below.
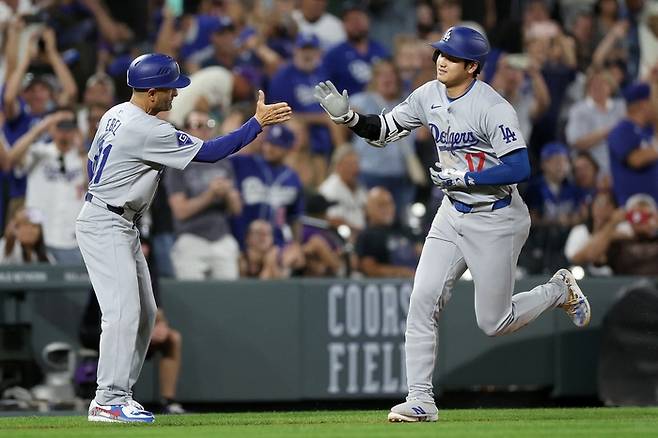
(435, 106)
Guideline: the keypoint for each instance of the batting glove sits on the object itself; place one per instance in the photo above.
(335, 104)
(448, 178)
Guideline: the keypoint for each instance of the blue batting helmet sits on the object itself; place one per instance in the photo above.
(463, 43)
(155, 70)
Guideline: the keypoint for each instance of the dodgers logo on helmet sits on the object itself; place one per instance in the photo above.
(447, 35)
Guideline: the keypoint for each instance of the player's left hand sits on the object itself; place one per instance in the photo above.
(447, 178)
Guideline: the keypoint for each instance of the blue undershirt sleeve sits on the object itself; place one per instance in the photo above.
(221, 147)
(515, 168)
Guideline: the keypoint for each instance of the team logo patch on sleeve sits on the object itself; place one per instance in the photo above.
(183, 138)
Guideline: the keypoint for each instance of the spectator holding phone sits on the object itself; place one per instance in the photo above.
(591, 119)
(637, 255)
(56, 177)
(520, 82)
(588, 243)
(27, 97)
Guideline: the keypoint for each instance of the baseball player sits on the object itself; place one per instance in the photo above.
(126, 159)
(482, 222)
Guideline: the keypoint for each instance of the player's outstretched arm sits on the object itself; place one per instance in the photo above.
(377, 130)
(221, 147)
(271, 114)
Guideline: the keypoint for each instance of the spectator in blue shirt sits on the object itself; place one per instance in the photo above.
(294, 83)
(633, 147)
(226, 51)
(222, 50)
(555, 205)
(552, 199)
(349, 64)
(270, 190)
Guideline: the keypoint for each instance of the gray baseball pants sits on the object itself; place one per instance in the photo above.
(120, 276)
(488, 243)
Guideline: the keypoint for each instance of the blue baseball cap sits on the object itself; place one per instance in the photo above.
(280, 136)
(636, 91)
(554, 148)
(222, 24)
(307, 40)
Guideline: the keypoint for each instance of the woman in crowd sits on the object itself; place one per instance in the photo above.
(23, 240)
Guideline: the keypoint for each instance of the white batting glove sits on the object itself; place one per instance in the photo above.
(447, 178)
(334, 103)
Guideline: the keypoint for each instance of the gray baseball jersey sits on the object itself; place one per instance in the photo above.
(470, 132)
(130, 151)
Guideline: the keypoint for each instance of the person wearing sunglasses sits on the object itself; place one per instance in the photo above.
(202, 198)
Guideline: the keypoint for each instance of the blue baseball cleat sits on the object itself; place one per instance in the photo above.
(132, 412)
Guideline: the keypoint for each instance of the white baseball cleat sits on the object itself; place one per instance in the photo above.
(576, 304)
(413, 411)
(128, 413)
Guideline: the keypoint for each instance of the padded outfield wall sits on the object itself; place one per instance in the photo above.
(305, 339)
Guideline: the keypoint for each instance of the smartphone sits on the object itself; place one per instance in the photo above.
(175, 6)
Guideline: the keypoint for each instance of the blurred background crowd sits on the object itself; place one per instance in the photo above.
(308, 198)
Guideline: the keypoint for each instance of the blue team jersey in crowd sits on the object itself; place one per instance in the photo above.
(627, 181)
(13, 130)
(351, 70)
(553, 205)
(204, 26)
(271, 193)
(295, 86)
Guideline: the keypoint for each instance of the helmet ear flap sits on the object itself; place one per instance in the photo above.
(435, 56)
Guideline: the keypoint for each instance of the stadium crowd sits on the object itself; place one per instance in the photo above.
(308, 198)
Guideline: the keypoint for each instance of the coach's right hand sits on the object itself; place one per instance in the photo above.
(271, 114)
(335, 104)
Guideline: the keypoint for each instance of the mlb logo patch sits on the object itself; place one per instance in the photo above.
(183, 138)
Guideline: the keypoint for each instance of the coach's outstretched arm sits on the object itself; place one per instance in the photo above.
(377, 130)
(221, 147)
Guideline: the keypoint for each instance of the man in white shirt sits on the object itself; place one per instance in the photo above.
(312, 18)
(55, 180)
(591, 119)
(343, 187)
